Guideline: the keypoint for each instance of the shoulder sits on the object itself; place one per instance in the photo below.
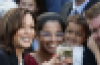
(89, 58)
(4, 58)
(29, 55)
(33, 54)
(3, 53)
(30, 59)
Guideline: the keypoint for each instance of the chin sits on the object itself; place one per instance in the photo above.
(51, 51)
(26, 46)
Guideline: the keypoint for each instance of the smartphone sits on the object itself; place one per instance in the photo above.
(65, 53)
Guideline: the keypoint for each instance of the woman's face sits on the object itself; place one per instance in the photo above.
(50, 36)
(24, 36)
(74, 34)
(28, 4)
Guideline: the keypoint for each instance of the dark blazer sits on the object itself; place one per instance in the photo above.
(4, 58)
(9, 59)
(66, 9)
(88, 57)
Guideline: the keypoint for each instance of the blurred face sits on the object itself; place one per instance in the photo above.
(50, 36)
(74, 34)
(78, 2)
(28, 4)
(94, 24)
(24, 36)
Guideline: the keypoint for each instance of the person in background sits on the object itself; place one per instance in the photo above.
(50, 35)
(76, 7)
(20, 29)
(55, 5)
(35, 6)
(93, 18)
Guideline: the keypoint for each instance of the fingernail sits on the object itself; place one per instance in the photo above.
(45, 61)
(54, 55)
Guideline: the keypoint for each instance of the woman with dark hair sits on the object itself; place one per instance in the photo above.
(50, 35)
(20, 31)
(36, 7)
(77, 30)
(76, 34)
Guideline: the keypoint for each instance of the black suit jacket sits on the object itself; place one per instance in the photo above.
(66, 9)
(9, 59)
(4, 58)
(88, 57)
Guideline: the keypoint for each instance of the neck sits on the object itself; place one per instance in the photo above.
(19, 54)
(44, 55)
(79, 2)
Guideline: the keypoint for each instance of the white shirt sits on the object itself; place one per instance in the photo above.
(78, 55)
(79, 8)
(7, 5)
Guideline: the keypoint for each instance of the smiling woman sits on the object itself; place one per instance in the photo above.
(20, 31)
(50, 35)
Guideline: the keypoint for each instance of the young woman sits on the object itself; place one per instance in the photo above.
(51, 32)
(20, 31)
(76, 30)
(77, 33)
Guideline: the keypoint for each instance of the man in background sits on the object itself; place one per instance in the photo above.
(76, 7)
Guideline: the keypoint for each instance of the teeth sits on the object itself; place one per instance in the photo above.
(25, 39)
(52, 45)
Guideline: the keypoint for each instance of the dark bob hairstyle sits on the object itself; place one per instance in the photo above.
(43, 18)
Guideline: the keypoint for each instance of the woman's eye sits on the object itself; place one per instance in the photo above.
(23, 27)
(31, 5)
(23, 3)
(59, 34)
(32, 27)
(78, 34)
(46, 34)
(70, 31)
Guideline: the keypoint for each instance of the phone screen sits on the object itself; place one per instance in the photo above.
(65, 54)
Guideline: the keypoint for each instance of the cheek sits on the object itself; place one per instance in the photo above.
(80, 40)
(18, 35)
(67, 35)
(33, 33)
(94, 36)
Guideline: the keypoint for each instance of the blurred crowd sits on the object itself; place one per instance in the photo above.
(50, 32)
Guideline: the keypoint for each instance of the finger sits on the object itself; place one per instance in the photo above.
(53, 59)
(45, 61)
